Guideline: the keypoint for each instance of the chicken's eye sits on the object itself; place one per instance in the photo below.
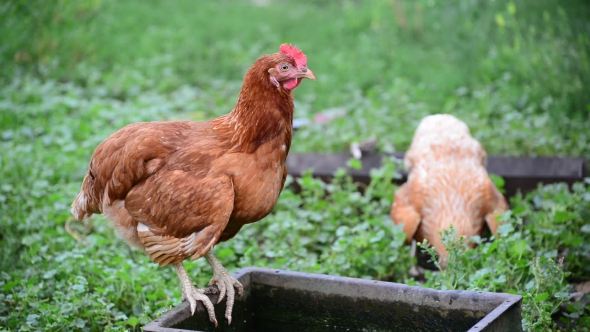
(284, 67)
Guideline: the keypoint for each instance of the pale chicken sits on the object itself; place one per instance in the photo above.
(447, 185)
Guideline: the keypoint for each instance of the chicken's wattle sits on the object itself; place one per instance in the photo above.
(292, 83)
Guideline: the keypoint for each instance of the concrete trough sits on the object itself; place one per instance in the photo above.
(520, 173)
(277, 300)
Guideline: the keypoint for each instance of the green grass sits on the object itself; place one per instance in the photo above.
(73, 73)
(516, 70)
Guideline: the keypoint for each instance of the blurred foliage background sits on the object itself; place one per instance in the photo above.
(73, 72)
(515, 69)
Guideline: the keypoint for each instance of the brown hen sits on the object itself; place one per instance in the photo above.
(447, 185)
(175, 189)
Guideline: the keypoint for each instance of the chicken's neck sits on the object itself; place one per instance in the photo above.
(262, 114)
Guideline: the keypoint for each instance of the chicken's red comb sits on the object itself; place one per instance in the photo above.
(295, 54)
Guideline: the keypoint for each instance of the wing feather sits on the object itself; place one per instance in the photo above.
(125, 159)
(201, 210)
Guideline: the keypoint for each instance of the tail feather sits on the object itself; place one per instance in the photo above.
(82, 206)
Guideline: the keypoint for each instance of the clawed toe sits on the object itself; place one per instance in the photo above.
(195, 295)
(239, 287)
(226, 285)
(192, 295)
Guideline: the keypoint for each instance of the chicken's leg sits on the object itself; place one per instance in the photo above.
(416, 270)
(190, 293)
(225, 283)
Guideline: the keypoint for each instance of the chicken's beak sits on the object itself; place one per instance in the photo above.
(306, 73)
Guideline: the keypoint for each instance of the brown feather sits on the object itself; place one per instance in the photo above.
(175, 189)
